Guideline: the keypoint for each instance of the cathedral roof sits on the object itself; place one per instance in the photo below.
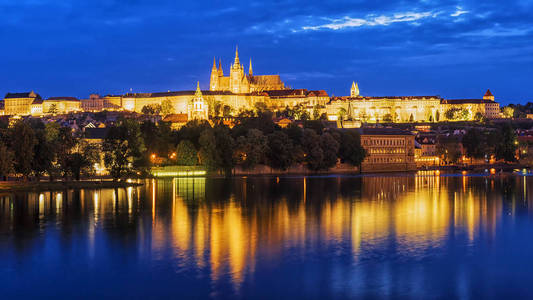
(265, 79)
(296, 93)
(488, 93)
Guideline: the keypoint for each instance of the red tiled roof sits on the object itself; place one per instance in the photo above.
(176, 118)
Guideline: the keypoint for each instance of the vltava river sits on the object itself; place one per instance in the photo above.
(384, 236)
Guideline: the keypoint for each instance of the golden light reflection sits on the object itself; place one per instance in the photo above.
(228, 228)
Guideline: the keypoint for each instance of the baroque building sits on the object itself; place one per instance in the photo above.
(238, 82)
(398, 109)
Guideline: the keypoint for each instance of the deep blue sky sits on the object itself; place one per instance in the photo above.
(456, 49)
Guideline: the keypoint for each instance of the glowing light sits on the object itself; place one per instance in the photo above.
(178, 173)
(492, 171)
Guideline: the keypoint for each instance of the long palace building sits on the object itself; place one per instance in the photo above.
(240, 91)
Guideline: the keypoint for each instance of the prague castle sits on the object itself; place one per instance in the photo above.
(238, 82)
(240, 91)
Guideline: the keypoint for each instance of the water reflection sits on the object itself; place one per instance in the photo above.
(233, 231)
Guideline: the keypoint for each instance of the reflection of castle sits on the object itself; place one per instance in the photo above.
(238, 82)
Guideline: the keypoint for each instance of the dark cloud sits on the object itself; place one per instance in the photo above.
(451, 48)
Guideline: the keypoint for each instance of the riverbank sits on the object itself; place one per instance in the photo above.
(16, 186)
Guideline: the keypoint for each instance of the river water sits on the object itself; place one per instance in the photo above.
(387, 236)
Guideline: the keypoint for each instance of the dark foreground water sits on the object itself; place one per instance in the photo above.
(273, 238)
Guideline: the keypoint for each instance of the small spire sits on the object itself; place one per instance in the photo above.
(250, 71)
(198, 91)
(220, 71)
(237, 56)
(214, 63)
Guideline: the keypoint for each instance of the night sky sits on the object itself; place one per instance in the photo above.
(455, 49)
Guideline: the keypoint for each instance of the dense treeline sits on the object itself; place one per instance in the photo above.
(29, 148)
(254, 140)
(499, 142)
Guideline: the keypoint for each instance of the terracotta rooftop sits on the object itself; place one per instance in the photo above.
(176, 118)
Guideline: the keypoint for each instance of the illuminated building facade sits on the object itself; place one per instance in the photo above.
(61, 105)
(398, 109)
(388, 149)
(22, 103)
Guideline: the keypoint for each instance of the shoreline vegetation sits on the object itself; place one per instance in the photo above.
(33, 149)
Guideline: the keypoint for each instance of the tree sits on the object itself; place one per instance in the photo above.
(479, 117)
(225, 147)
(508, 111)
(452, 113)
(448, 148)
(208, 155)
(279, 151)
(316, 112)
(166, 107)
(473, 143)
(23, 141)
(227, 111)
(350, 149)
(313, 150)
(63, 146)
(151, 109)
(53, 109)
(330, 147)
(44, 154)
(6, 161)
(187, 154)
(341, 113)
(260, 107)
(82, 160)
(507, 144)
(411, 118)
(251, 149)
(124, 150)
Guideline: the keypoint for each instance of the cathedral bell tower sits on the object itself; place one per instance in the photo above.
(237, 78)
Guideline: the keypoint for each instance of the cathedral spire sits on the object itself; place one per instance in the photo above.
(236, 63)
(250, 71)
(354, 92)
(214, 63)
(220, 71)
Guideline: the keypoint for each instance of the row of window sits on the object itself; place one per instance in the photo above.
(386, 150)
(385, 160)
(384, 142)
